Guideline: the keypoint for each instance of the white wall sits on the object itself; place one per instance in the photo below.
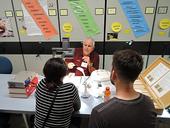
(17, 62)
(36, 64)
(108, 61)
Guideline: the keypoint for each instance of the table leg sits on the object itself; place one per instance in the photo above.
(25, 120)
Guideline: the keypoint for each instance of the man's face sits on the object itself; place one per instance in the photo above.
(87, 47)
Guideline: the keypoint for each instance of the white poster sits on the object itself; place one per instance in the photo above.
(162, 86)
(156, 74)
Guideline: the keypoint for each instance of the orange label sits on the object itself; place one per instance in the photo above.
(38, 14)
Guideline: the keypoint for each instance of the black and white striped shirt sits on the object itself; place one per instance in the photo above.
(67, 101)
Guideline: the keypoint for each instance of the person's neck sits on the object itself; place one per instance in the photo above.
(126, 92)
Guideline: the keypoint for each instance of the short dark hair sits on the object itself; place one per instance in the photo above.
(128, 64)
(54, 70)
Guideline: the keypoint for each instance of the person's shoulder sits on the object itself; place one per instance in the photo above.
(78, 49)
(42, 82)
(147, 99)
(101, 109)
(70, 85)
(104, 106)
(95, 53)
(41, 85)
(78, 52)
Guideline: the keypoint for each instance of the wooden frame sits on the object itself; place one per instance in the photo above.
(156, 81)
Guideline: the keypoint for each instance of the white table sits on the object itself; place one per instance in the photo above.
(27, 105)
(14, 105)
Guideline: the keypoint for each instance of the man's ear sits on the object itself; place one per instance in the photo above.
(113, 76)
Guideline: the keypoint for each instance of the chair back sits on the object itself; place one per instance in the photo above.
(5, 65)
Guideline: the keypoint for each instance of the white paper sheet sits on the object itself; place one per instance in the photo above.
(162, 86)
(156, 74)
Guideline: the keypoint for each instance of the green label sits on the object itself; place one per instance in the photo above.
(84, 17)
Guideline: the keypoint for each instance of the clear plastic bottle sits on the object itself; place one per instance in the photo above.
(107, 94)
(100, 91)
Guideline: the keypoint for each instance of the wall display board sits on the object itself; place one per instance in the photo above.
(37, 22)
(8, 31)
(82, 18)
(129, 20)
(162, 23)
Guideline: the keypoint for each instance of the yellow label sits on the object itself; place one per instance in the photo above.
(8, 13)
(52, 12)
(22, 31)
(127, 31)
(161, 33)
(63, 12)
(68, 35)
(164, 24)
(67, 27)
(116, 27)
(19, 13)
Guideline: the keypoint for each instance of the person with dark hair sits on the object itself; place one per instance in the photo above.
(128, 108)
(85, 58)
(51, 92)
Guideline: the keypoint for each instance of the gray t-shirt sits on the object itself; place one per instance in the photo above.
(117, 113)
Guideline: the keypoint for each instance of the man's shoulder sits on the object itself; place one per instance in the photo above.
(94, 54)
(147, 99)
(104, 106)
(78, 52)
(78, 49)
